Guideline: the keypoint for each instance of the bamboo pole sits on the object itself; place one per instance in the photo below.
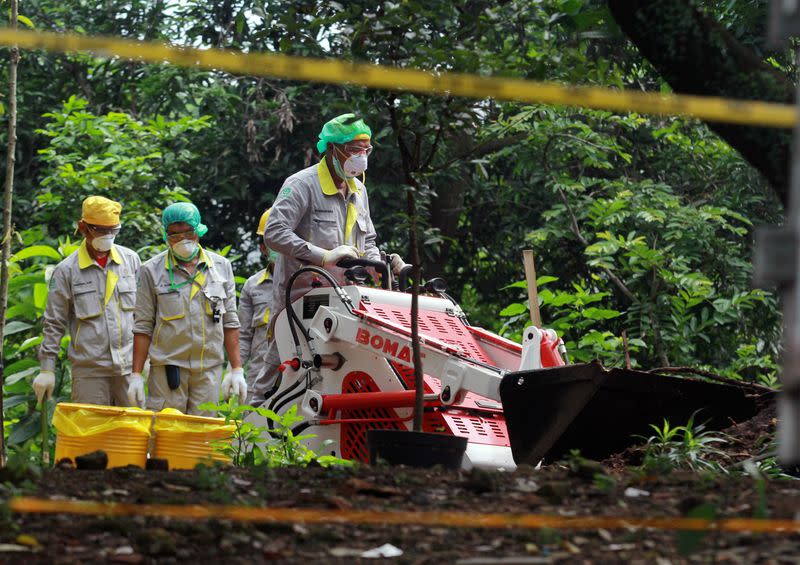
(7, 200)
(533, 293)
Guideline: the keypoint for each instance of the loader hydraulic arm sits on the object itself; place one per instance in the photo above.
(457, 373)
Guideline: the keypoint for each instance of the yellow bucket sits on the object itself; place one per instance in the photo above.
(121, 432)
(185, 440)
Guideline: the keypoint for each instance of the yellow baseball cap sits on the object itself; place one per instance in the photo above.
(262, 223)
(100, 211)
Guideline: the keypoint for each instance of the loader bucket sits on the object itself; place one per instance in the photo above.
(600, 412)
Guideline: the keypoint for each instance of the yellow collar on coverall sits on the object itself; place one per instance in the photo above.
(326, 180)
(199, 276)
(265, 276)
(85, 260)
(329, 189)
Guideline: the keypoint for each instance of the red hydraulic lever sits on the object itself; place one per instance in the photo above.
(293, 363)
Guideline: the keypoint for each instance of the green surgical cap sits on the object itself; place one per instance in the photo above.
(342, 129)
(182, 212)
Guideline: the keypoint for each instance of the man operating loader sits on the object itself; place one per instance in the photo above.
(185, 317)
(92, 293)
(321, 215)
(255, 305)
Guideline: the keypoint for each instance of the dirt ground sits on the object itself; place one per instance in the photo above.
(557, 489)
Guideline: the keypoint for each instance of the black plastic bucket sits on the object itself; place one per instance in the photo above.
(416, 449)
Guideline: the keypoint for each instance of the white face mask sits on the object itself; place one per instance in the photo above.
(355, 165)
(185, 249)
(103, 243)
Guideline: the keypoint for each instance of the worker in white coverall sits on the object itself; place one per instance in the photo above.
(255, 305)
(185, 317)
(92, 294)
(320, 216)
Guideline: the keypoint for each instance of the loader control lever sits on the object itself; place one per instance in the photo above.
(294, 364)
(379, 266)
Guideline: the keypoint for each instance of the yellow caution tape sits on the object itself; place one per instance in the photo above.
(334, 71)
(386, 517)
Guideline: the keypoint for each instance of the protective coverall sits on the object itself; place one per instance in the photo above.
(255, 306)
(186, 328)
(96, 304)
(309, 218)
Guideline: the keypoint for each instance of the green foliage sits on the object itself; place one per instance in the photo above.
(142, 164)
(663, 260)
(605, 484)
(29, 271)
(689, 540)
(683, 447)
(254, 445)
(643, 225)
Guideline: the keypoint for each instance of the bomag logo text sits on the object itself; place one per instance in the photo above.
(383, 345)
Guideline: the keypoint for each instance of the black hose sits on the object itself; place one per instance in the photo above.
(277, 398)
(288, 399)
(292, 315)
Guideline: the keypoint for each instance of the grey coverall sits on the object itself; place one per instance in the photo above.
(96, 304)
(309, 217)
(255, 305)
(183, 332)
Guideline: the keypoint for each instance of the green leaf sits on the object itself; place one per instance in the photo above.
(37, 251)
(20, 375)
(23, 280)
(514, 309)
(14, 327)
(25, 20)
(689, 540)
(26, 428)
(16, 400)
(40, 295)
(544, 279)
(30, 342)
(600, 314)
(20, 365)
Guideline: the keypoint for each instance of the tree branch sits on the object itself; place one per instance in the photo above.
(696, 55)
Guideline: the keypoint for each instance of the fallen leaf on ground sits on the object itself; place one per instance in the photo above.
(365, 487)
(13, 547)
(385, 550)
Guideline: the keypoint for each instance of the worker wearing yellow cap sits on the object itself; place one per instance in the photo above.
(320, 216)
(255, 304)
(92, 294)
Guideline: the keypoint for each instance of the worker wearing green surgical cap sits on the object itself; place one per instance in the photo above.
(185, 321)
(320, 216)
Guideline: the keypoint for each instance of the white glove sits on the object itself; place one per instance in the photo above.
(334, 255)
(396, 263)
(136, 390)
(234, 385)
(43, 385)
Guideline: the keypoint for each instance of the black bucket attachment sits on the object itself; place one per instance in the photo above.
(600, 412)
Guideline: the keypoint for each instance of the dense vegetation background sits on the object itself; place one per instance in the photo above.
(640, 224)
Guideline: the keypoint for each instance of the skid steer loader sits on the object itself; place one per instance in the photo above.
(347, 364)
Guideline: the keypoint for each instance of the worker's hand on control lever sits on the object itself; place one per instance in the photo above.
(43, 385)
(337, 253)
(396, 262)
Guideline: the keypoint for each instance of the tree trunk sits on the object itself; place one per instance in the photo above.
(448, 204)
(8, 191)
(410, 166)
(696, 55)
(446, 208)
